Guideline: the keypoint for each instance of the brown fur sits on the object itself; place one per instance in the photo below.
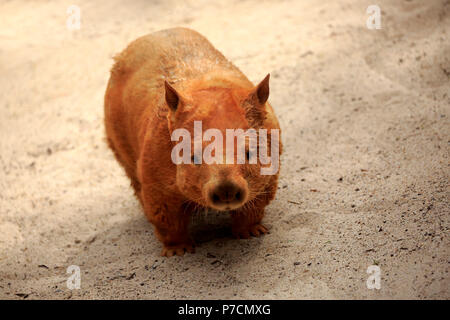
(141, 112)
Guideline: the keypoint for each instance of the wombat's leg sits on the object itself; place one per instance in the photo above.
(172, 228)
(246, 222)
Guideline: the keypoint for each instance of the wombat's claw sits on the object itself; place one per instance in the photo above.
(254, 230)
(178, 250)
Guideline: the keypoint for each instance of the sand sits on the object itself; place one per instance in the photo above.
(365, 170)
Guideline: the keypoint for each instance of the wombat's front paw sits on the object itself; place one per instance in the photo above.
(254, 230)
(178, 250)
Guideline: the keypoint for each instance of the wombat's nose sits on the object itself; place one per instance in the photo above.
(227, 193)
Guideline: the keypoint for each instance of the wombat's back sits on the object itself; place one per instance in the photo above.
(175, 55)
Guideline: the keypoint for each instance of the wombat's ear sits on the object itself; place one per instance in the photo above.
(262, 90)
(255, 102)
(173, 98)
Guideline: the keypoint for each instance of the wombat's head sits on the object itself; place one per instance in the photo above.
(216, 135)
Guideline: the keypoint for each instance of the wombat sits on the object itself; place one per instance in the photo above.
(169, 84)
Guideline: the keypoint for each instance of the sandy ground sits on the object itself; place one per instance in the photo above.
(365, 172)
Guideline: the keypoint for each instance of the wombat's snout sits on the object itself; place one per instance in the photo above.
(227, 196)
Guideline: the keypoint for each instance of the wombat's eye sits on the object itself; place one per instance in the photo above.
(195, 160)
